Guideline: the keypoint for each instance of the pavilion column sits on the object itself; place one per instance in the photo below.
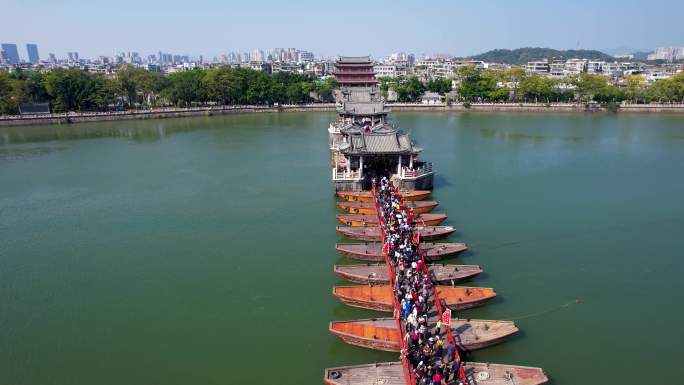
(411, 161)
(399, 166)
(360, 166)
(348, 165)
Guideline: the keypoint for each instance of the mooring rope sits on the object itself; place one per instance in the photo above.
(543, 312)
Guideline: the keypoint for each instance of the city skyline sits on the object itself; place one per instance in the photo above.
(211, 28)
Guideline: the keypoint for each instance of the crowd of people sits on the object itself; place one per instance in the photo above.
(427, 346)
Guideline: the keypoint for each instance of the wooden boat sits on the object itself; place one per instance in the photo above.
(367, 196)
(372, 251)
(419, 207)
(392, 373)
(356, 220)
(373, 233)
(383, 333)
(380, 297)
(377, 273)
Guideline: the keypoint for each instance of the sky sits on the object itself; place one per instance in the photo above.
(330, 28)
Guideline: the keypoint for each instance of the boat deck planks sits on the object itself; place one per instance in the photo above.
(367, 196)
(357, 220)
(392, 373)
(380, 297)
(382, 333)
(373, 233)
(372, 251)
(376, 273)
(419, 207)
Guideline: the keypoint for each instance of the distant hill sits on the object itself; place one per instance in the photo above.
(523, 55)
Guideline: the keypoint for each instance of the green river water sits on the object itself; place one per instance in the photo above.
(200, 251)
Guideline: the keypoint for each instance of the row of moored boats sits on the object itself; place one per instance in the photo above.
(374, 292)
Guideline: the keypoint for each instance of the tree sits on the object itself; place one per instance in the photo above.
(73, 89)
(537, 88)
(126, 79)
(149, 85)
(186, 87)
(8, 102)
(325, 89)
(476, 86)
(409, 89)
(665, 90)
(635, 86)
(589, 85)
(224, 85)
(441, 86)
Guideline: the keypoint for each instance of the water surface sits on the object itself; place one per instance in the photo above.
(200, 251)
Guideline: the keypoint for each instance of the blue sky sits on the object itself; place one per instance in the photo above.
(212, 27)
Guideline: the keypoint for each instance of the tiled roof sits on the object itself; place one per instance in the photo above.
(379, 143)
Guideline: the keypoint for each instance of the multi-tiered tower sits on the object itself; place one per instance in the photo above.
(363, 143)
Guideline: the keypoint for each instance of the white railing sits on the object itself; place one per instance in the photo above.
(345, 175)
(407, 173)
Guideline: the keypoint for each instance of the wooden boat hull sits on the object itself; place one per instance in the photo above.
(383, 333)
(380, 297)
(473, 334)
(372, 233)
(392, 373)
(366, 196)
(460, 298)
(373, 251)
(377, 333)
(362, 220)
(366, 297)
(368, 208)
(377, 273)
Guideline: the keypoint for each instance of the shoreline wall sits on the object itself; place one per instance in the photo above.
(164, 113)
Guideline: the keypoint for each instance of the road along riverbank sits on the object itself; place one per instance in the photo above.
(163, 113)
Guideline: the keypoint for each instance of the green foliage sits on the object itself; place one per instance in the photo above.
(441, 86)
(408, 89)
(524, 55)
(537, 88)
(474, 85)
(186, 87)
(75, 90)
(325, 89)
(667, 89)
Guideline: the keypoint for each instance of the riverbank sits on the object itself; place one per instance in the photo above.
(163, 113)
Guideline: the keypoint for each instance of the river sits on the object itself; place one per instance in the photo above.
(200, 250)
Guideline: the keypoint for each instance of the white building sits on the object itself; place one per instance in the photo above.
(557, 68)
(538, 67)
(594, 67)
(386, 70)
(431, 98)
(575, 66)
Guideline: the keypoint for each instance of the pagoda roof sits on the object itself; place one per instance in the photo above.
(392, 142)
(354, 59)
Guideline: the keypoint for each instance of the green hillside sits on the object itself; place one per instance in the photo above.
(523, 55)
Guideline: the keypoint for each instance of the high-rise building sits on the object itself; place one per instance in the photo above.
(32, 51)
(667, 53)
(73, 56)
(52, 58)
(258, 55)
(305, 56)
(11, 53)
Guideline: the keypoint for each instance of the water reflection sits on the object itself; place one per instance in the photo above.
(13, 154)
(139, 131)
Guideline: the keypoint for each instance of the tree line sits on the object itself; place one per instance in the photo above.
(131, 87)
(515, 85)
